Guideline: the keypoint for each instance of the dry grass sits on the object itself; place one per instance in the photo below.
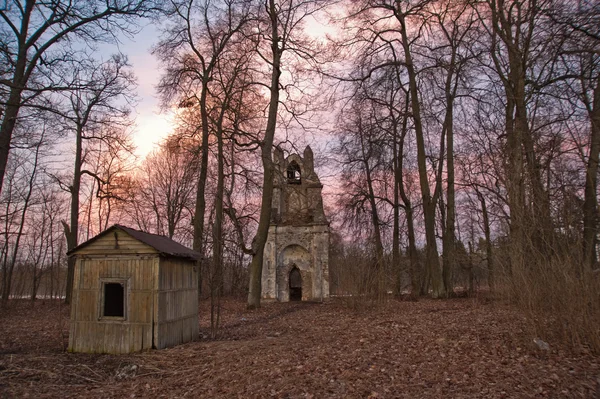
(561, 301)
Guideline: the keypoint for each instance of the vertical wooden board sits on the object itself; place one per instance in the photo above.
(92, 271)
(120, 332)
(101, 267)
(92, 274)
(181, 281)
(143, 316)
(168, 334)
(72, 334)
(129, 343)
(148, 337)
(185, 331)
(75, 291)
(142, 338)
(148, 302)
(155, 286)
(167, 274)
(125, 338)
(145, 274)
(82, 277)
(133, 316)
(85, 339)
(166, 269)
(193, 328)
(115, 342)
(104, 338)
(138, 337)
(135, 278)
(137, 307)
(132, 343)
(115, 339)
(88, 270)
(167, 306)
(109, 345)
(78, 337)
(163, 303)
(142, 307)
(159, 336)
(82, 309)
(77, 277)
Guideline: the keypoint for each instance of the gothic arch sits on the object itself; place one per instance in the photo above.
(290, 257)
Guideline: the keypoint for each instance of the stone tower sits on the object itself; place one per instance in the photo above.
(296, 257)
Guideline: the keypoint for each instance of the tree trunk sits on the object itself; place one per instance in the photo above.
(200, 209)
(396, 233)
(217, 275)
(71, 231)
(399, 177)
(10, 268)
(429, 204)
(266, 148)
(590, 204)
(379, 289)
(449, 240)
(488, 243)
(17, 86)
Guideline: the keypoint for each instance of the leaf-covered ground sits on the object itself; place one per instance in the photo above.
(460, 348)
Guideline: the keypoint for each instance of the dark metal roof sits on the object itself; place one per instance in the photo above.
(162, 244)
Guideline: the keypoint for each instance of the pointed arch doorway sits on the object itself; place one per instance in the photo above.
(295, 281)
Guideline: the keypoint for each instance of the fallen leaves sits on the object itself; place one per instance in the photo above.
(454, 348)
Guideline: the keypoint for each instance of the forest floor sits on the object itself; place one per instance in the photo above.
(459, 348)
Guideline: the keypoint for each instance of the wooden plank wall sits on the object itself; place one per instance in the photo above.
(177, 302)
(121, 244)
(88, 333)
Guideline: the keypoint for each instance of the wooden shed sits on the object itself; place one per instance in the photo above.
(132, 291)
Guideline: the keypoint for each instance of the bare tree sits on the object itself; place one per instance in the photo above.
(98, 111)
(281, 28)
(190, 50)
(36, 36)
(10, 262)
(165, 189)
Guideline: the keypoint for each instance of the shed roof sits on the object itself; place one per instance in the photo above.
(164, 245)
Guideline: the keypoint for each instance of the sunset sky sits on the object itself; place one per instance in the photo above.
(152, 125)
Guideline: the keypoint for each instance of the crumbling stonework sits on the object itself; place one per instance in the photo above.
(298, 235)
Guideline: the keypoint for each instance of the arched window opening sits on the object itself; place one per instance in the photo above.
(295, 284)
(293, 173)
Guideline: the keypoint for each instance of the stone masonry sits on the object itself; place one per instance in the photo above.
(298, 234)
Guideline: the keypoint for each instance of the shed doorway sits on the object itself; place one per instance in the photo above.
(295, 284)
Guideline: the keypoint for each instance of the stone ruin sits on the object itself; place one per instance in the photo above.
(296, 255)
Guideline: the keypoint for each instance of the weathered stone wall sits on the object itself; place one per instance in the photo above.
(299, 233)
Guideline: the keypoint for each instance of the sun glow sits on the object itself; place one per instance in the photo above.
(151, 129)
